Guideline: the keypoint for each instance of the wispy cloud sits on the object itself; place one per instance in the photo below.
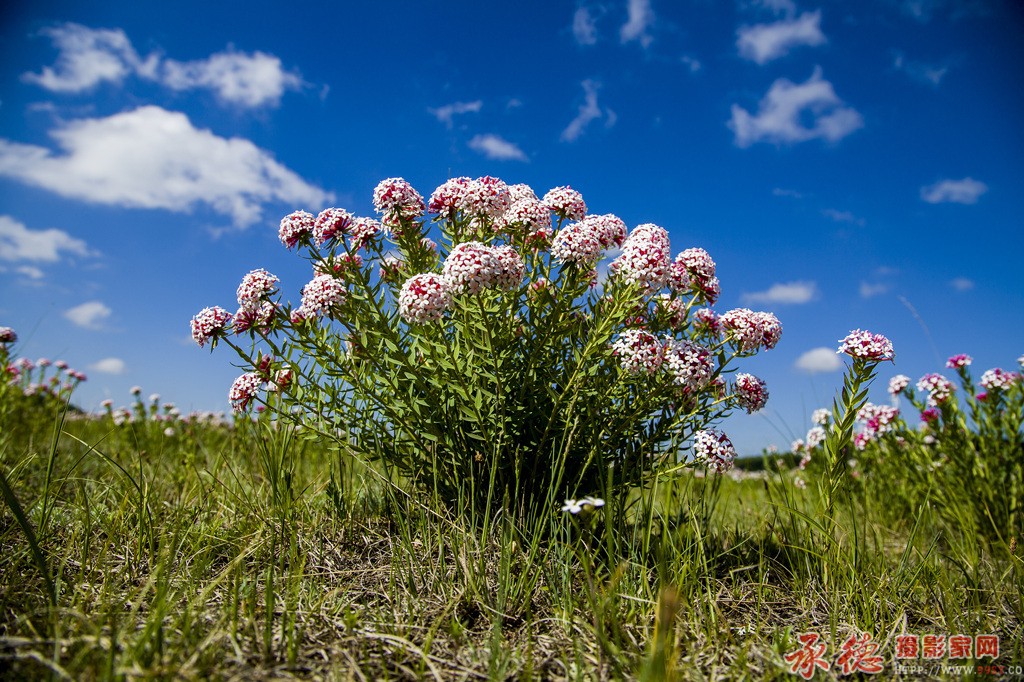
(109, 366)
(89, 315)
(584, 27)
(640, 20)
(964, 191)
(692, 63)
(589, 111)
(497, 148)
(445, 113)
(962, 284)
(872, 289)
(153, 158)
(819, 361)
(784, 293)
(88, 57)
(842, 216)
(762, 43)
(791, 193)
(19, 243)
(919, 71)
(783, 111)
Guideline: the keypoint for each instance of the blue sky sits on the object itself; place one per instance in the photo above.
(847, 165)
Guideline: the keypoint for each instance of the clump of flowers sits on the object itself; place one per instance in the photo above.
(997, 380)
(959, 361)
(898, 384)
(468, 333)
(865, 346)
(938, 387)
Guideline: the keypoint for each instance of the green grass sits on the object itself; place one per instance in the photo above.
(253, 554)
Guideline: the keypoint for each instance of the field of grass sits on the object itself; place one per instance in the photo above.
(163, 550)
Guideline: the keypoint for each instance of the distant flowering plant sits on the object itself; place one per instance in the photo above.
(468, 344)
(867, 347)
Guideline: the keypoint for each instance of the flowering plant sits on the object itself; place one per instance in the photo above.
(503, 363)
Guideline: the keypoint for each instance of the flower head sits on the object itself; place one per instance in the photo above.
(566, 203)
(751, 392)
(322, 295)
(243, 390)
(938, 387)
(713, 448)
(863, 345)
(484, 197)
(255, 287)
(364, 230)
(815, 436)
(750, 331)
(576, 243)
(447, 198)
(7, 335)
(586, 505)
(258, 317)
(527, 215)
(645, 257)
(690, 365)
(510, 269)
(209, 324)
(396, 198)
(639, 352)
(332, 223)
(295, 227)
(959, 361)
(997, 380)
(424, 298)
(821, 416)
(470, 268)
(898, 384)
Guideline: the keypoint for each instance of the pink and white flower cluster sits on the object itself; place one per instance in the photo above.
(645, 258)
(821, 416)
(296, 227)
(396, 200)
(713, 448)
(639, 352)
(939, 388)
(749, 330)
(331, 223)
(959, 361)
(424, 298)
(472, 267)
(690, 365)
(210, 324)
(863, 345)
(7, 335)
(694, 270)
(244, 390)
(321, 296)
(566, 203)
(751, 392)
(996, 379)
(898, 384)
(878, 419)
(255, 310)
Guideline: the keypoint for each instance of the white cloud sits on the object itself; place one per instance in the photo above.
(249, 80)
(108, 366)
(588, 112)
(89, 56)
(584, 28)
(496, 147)
(964, 191)
(445, 113)
(88, 315)
(783, 110)
(762, 43)
(962, 284)
(789, 292)
(640, 18)
(30, 271)
(819, 360)
(919, 71)
(842, 216)
(870, 290)
(18, 242)
(791, 193)
(692, 63)
(153, 158)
